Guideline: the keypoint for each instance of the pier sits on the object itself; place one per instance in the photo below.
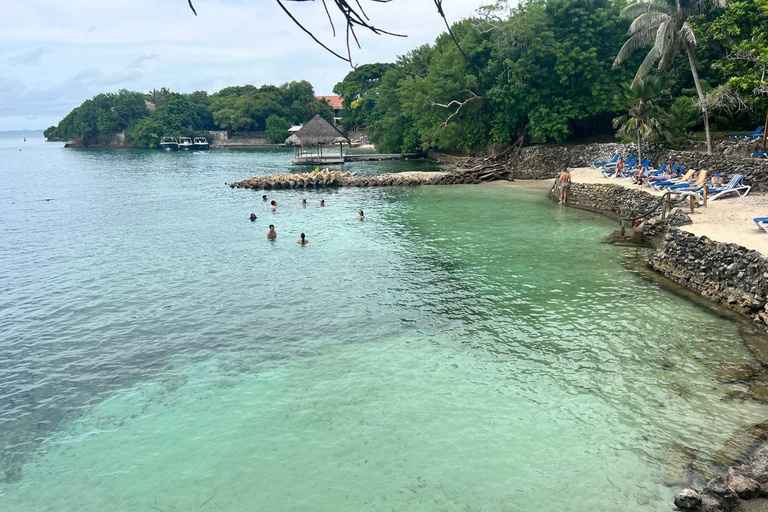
(339, 159)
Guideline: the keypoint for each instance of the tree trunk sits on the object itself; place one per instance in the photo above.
(695, 73)
(639, 149)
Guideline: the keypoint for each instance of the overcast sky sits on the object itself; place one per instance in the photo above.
(54, 54)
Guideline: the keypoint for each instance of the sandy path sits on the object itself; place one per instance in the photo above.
(725, 220)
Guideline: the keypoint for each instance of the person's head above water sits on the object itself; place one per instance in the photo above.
(273, 203)
(271, 227)
(264, 197)
(322, 202)
(304, 202)
(253, 216)
(303, 236)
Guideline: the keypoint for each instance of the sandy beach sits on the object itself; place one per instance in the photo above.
(725, 220)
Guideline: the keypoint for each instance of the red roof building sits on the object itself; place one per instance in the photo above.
(336, 103)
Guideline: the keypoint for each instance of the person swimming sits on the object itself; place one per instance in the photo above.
(273, 206)
(322, 202)
(253, 217)
(271, 234)
(303, 202)
(361, 215)
(264, 197)
(303, 240)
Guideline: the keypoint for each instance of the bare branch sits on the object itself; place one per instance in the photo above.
(459, 105)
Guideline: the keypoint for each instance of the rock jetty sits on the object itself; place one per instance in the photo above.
(471, 172)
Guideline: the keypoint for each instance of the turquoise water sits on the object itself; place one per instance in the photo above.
(463, 348)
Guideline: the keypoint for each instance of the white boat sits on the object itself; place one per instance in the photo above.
(201, 143)
(169, 143)
(185, 143)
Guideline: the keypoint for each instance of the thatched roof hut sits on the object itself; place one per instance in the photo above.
(316, 132)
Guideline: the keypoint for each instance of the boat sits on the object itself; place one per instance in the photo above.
(201, 143)
(185, 143)
(169, 143)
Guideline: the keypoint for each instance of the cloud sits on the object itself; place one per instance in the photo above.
(30, 58)
(138, 62)
(91, 46)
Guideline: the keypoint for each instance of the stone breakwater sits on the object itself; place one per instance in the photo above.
(724, 493)
(326, 178)
(728, 274)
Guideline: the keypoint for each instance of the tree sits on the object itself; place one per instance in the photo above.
(277, 129)
(643, 119)
(665, 24)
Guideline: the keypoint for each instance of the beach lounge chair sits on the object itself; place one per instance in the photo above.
(629, 173)
(613, 160)
(662, 171)
(754, 135)
(701, 179)
(609, 170)
(736, 185)
(684, 178)
(760, 154)
(762, 223)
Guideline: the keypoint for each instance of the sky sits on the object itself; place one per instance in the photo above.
(54, 54)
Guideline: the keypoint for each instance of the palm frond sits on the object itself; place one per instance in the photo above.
(706, 6)
(686, 32)
(647, 21)
(634, 43)
(634, 10)
(648, 62)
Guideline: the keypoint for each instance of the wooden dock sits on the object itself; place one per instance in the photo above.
(360, 157)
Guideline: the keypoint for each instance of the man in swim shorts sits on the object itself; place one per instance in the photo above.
(563, 184)
(271, 234)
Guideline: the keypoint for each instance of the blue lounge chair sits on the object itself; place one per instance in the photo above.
(613, 160)
(754, 135)
(612, 168)
(658, 185)
(735, 185)
(762, 223)
(760, 154)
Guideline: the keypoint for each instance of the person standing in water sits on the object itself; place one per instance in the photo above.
(264, 197)
(273, 206)
(303, 240)
(253, 217)
(322, 202)
(304, 202)
(361, 215)
(564, 183)
(271, 234)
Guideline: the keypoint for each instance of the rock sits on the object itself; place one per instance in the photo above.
(688, 499)
(679, 218)
(743, 486)
(757, 469)
(719, 489)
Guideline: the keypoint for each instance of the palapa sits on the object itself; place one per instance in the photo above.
(316, 132)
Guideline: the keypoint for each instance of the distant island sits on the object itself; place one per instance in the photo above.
(140, 120)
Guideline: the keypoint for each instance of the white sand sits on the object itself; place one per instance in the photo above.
(727, 219)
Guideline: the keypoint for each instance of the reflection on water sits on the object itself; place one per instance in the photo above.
(463, 348)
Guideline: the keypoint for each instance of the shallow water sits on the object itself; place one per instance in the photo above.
(463, 348)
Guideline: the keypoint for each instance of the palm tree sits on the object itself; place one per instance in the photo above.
(665, 24)
(643, 118)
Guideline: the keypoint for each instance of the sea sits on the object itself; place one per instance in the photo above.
(464, 348)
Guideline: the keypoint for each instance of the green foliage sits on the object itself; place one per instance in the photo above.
(644, 118)
(241, 108)
(277, 129)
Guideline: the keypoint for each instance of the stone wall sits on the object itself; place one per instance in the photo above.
(726, 273)
(612, 200)
(548, 161)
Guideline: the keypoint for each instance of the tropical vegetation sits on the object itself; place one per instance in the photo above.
(541, 71)
(146, 118)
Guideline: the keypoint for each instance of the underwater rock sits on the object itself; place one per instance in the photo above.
(688, 499)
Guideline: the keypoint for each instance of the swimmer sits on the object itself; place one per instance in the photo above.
(253, 217)
(271, 234)
(273, 206)
(303, 202)
(361, 216)
(264, 197)
(303, 240)
(322, 202)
